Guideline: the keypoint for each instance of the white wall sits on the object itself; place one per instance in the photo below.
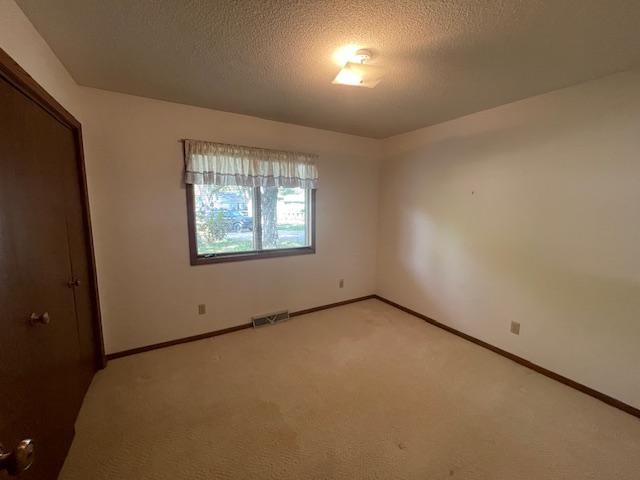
(527, 212)
(23, 43)
(149, 291)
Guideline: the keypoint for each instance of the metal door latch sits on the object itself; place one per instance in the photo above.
(19, 460)
(44, 319)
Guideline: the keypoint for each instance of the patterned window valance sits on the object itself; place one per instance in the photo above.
(222, 164)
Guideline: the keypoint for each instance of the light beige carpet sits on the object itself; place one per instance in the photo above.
(363, 391)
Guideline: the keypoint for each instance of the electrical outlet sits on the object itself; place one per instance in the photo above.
(515, 328)
(341, 283)
(202, 309)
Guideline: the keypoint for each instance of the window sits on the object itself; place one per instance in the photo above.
(246, 203)
(237, 223)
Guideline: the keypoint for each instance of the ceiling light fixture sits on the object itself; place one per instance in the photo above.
(356, 73)
(345, 54)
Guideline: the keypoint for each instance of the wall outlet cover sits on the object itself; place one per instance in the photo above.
(515, 328)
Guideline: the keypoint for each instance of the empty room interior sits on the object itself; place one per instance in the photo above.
(296, 239)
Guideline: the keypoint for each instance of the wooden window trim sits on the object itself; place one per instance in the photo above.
(251, 255)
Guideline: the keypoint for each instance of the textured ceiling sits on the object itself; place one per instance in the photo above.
(274, 58)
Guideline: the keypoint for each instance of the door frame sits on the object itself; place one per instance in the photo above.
(21, 80)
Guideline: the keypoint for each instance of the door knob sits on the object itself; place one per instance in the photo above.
(43, 319)
(73, 283)
(19, 460)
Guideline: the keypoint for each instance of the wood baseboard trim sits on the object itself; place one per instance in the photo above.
(215, 333)
(330, 305)
(170, 343)
(522, 361)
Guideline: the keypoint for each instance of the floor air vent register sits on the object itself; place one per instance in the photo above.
(270, 318)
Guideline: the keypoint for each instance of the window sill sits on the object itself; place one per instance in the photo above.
(238, 257)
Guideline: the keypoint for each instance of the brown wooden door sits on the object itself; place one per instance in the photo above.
(81, 258)
(44, 369)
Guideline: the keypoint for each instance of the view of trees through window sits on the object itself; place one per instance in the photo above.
(226, 223)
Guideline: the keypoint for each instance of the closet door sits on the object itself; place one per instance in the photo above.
(80, 257)
(40, 353)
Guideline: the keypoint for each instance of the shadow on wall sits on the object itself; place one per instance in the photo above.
(526, 216)
(480, 283)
